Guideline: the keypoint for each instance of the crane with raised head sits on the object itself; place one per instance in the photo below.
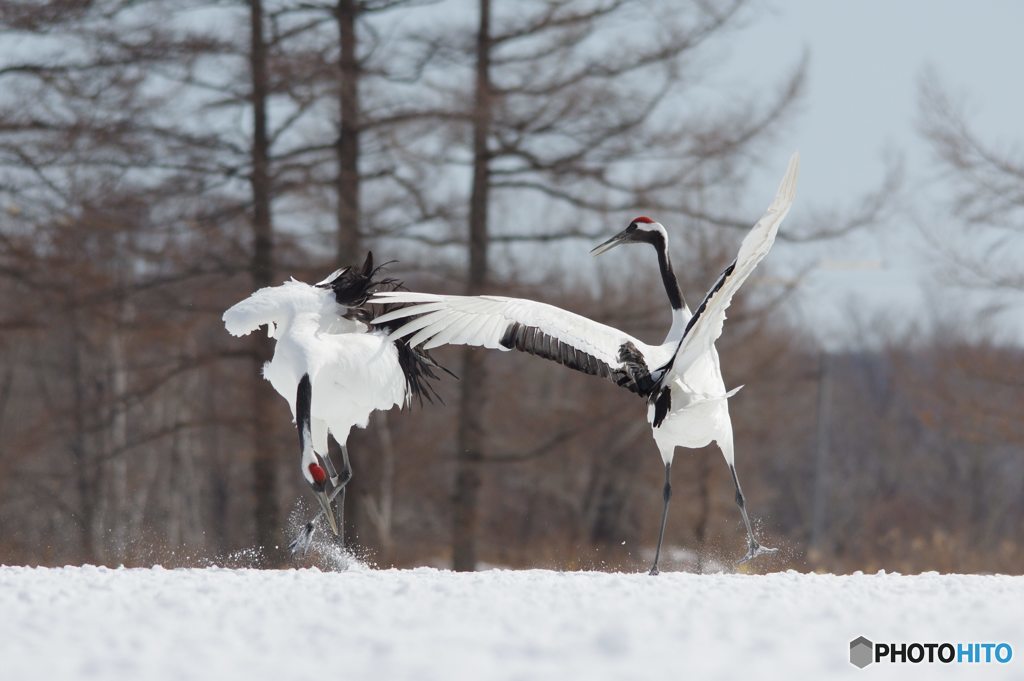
(681, 379)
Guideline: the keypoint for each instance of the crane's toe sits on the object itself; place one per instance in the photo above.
(299, 546)
(754, 551)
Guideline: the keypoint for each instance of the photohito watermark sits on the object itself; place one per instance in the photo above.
(863, 652)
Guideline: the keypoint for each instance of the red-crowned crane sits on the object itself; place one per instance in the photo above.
(334, 366)
(681, 379)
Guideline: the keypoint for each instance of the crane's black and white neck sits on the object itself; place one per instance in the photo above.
(644, 230)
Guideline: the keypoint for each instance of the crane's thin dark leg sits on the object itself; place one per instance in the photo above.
(754, 549)
(667, 495)
(332, 472)
(346, 468)
(303, 401)
(344, 478)
(339, 491)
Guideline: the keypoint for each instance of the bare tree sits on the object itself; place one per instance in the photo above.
(103, 135)
(562, 125)
(987, 182)
(158, 168)
(261, 273)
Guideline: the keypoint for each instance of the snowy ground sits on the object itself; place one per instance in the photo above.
(96, 623)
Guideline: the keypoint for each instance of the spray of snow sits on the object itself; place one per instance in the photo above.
(325, 550)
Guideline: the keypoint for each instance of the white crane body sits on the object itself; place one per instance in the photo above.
(681, 378)
(333, 366)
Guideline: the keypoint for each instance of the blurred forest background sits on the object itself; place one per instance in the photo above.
(160, 160)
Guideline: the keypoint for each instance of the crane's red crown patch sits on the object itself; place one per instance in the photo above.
(318, 473)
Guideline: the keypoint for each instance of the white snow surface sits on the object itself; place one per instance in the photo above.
(422, 624)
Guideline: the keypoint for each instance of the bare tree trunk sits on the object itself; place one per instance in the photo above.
(85, 476)
(147, 486)
(5, 391)
(214, 468)
(700, 525)
(261, 270)
(472, 392)
(819, 525)
(347, 219)
(380, 510)
(117, 465)
(347, 146)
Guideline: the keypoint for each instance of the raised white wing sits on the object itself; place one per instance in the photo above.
(705, 326)
(270, 306)
(516, 324)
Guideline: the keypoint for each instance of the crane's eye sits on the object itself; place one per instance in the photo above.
(318, 473)
(632, 227)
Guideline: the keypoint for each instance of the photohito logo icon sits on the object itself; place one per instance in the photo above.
(861, 652)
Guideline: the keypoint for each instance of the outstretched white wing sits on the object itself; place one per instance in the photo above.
(516, 324)
(705, 326)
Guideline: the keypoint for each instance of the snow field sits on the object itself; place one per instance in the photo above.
(423, 624)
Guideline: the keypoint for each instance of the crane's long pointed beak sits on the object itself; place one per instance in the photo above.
(607, 245)
(325, 504)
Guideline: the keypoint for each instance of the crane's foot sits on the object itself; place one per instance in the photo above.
(654, 571)
(754, 551)
(303, 540)
(299, 546)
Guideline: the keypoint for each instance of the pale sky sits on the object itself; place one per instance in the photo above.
(860, 107)
(866, 58)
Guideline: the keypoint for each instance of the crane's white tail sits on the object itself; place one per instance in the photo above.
(262, 307)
